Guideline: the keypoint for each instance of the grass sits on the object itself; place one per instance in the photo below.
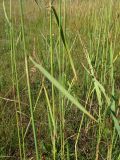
(59, 80)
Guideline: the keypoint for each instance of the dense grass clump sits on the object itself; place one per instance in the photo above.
(59, 80)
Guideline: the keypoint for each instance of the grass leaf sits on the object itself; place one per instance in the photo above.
(62, 89)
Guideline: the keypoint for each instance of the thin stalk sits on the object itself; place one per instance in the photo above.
(39, 94)
(28, 80)
(13, 66)
(68, 152)
(81, 123)
(52, 73)
(60, 78)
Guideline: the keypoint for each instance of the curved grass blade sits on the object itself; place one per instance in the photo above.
(64, 41)
(62, 89)
(61, 29)
(6, 16)
(113, 114)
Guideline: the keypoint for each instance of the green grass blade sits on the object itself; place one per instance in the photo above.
(113, 114)
(6, 16)
(64, 41)
(62, 89)
(116, 123)
(61, 29)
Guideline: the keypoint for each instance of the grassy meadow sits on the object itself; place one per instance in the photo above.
(59, 80)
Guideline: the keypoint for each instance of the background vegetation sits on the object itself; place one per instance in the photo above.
(59, 80)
